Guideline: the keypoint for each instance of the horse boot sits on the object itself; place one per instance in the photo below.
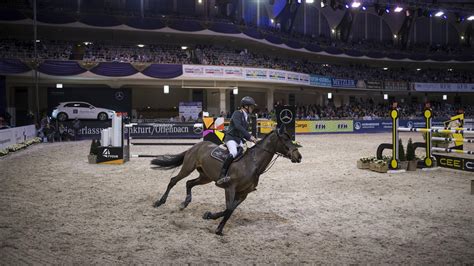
(223, 177)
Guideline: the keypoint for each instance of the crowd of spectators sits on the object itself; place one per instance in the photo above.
(222, 55)
(369, 110)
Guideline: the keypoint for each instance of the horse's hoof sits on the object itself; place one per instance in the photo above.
(158, 204)
(207, 216)
(182, 206)
(219, 233)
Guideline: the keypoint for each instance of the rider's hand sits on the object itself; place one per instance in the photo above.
(253, 139)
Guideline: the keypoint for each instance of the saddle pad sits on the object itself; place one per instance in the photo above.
(220, 153)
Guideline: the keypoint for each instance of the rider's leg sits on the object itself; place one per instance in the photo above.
(232, 146)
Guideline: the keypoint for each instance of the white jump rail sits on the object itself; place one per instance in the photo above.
(448, 150)
(453, 139)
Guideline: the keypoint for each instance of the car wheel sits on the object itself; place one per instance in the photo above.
(102, 116)
(62, 117)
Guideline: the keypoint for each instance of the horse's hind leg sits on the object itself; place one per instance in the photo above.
(186, 169)
(201, 180)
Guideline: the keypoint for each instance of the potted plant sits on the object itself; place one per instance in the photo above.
(411, 157)
(364, 162)
(401, 156)
(379, 166)
(92, 157)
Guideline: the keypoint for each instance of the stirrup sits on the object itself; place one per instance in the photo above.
(223, 180)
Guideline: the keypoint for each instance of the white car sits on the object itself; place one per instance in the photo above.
(80, 110)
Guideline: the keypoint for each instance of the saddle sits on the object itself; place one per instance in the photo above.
(220, 153)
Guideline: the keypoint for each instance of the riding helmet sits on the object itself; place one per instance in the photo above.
(247, 100)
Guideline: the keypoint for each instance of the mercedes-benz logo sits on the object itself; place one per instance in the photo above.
(410, 124)
(286, 116)
(119, 95)
(470, 165)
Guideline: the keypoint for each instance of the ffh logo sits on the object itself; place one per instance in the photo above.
(286, 116)
(342, 126)
(320, 126)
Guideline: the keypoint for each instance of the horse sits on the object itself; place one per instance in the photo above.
(244, 173)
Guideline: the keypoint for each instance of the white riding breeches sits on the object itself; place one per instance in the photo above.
(232, 146)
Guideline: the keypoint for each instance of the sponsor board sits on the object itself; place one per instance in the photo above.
(382, 125)
(395, 85)
(343, 83)
(443, 87)
(458, 163)
(320, 81)
(110, 155)
(323, 126)
(373, 85)
(14, 135)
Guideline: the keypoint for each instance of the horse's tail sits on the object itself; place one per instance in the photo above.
(164, 162)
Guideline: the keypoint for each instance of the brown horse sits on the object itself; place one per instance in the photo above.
(244, 173)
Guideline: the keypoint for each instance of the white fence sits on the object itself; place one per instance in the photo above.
(16, 135)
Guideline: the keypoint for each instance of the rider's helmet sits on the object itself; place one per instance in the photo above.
(248, 101)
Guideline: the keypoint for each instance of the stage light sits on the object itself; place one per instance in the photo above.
(235, 90)
(199, 1)
(364, 8)
(445, 97)
(418, 69)
(87, 43)
(347, 6)
(462, 37)
(445, 17)
(398, 9)
(387, 9)
(141, 45)
(309, 1)
(272, 21)
(166, 89)
(394, 36)
(59, 86)
(329, 95)
(38, 41)
(355, 4)
(333, 31)
(385, 68)
(471, 18)
(322, 4)
(385, 96)
(450, 69)
(439, 14)
(184, 47)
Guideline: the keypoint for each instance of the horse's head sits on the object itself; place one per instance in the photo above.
(286, 147)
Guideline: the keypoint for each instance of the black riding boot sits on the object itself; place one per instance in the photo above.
(223, 178)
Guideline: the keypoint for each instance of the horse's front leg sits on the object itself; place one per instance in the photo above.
(229, 210)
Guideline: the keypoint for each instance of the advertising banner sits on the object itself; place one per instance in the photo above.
(320, 81)
(382, 125)
(344, 83)
(444, 87)
(190, 110)
(14, 135)
(255, 74)
(373, 85)
(458, 163)
(323, 126)
(395, 86)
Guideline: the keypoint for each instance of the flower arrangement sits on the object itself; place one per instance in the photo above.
(364, 162)
(19, 146)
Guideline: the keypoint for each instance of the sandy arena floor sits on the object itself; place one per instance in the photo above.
(57, 208)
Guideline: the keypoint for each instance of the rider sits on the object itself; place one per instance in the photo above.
(236, 133)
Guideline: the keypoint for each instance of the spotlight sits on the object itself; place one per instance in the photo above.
(462, 37)
(323, 4)
(398, 9)
(141, 45)
(471, 18)
(309, 1)
(364, 8)
(235, 90)
(418, 69)
(59, 86)
(445, 17)
(385, 68)
(184, 47)
(199, 1)
(355, 4)
(347, 6)
(166, 89)
(394, 36)
(445, 97)
(329, 95)
(38, 41)
(439, 14)
(272, 21)
(385, 96)
(387, 9)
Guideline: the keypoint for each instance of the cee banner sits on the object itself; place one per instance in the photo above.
(323, 126)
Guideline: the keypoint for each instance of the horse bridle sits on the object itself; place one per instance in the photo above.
(287, 155)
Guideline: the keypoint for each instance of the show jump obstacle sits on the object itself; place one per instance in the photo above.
(466, 164)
